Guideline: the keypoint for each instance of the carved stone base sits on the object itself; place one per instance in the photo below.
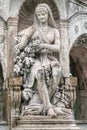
(44, 123)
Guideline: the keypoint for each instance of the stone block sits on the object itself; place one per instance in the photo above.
(15, 81)
(44, 123)
(73, 81)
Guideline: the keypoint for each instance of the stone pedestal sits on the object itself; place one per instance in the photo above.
(44, 123)
(15, 99)
(32, 122)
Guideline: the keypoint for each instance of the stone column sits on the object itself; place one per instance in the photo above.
(15, 99)
(64, 53)
(64, 60)
(12, 32)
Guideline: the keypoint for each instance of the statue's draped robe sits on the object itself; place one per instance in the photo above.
(46, 60)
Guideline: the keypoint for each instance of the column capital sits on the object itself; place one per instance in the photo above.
(12, 21)
(64, 23)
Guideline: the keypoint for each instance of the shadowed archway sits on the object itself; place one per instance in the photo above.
(78, 65)
(2, 100)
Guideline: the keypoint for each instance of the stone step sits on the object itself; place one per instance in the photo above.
(37, 117)
(50, 126)
(44, 123)
(46, 128)
(43, 120)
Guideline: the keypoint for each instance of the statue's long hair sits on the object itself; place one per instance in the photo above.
(51, 21)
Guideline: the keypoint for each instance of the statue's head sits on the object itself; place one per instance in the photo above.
(42, 7)
(27, 94)
(44, 13)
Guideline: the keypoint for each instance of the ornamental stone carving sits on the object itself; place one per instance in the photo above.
(36, 52)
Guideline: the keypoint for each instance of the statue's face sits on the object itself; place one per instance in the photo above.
(42, 16)
(25, 94)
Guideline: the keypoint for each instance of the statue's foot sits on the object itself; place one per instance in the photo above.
(62, 111)
(51, 112)
(58, 110)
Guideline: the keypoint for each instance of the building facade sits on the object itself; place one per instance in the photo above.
(71, 20)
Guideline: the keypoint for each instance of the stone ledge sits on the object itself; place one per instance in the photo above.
(3, 123)
(81, 121)
(47, 119)
(44, 123)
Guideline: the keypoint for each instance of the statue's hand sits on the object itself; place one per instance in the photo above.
(16, 47)
(67, 81)
(38, 46)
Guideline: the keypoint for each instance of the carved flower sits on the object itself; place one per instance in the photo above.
(27, 62)
(22, 55)
(16, 50)
(27, 50)
(16, 69)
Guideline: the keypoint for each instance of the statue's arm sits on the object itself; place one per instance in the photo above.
(56, 46)
(28, 34)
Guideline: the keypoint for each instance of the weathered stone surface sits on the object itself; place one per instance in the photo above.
(3, 125)
(73, 81)
(4, 9)
(45, 123)
(71, 18)
(15, 81)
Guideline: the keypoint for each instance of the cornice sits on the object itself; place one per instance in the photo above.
(80, 2)
(84, 2)
(78, 16)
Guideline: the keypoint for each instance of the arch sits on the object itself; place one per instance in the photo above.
(77, 27)
(81, 41)
(78, 55)
(2, 100)
(1, 72)
(27, 10)
(3, 27)
(78, 67)
(3, 32)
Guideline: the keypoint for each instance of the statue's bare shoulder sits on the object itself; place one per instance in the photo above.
(54, 30)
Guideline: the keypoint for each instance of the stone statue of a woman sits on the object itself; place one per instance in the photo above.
(35, 59)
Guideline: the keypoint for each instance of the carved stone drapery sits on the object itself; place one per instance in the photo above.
(14, 95)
